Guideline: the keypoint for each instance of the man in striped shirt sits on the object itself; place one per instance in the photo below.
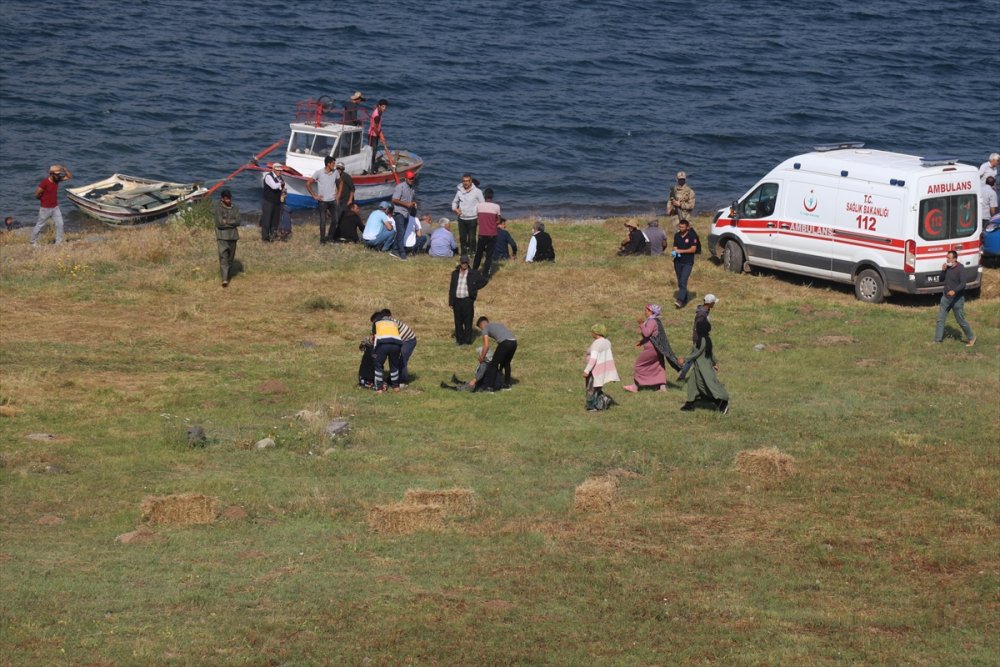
(409, 344)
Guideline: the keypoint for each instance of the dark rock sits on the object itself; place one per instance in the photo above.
(196, 436)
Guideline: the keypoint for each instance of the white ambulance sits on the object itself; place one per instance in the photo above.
(880, 221)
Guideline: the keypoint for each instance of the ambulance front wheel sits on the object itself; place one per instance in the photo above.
(732, 257)
(869, 286)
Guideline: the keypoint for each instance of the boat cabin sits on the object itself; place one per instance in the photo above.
(309, 144)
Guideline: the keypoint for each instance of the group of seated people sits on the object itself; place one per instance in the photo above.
(649, 241)
(402, 233)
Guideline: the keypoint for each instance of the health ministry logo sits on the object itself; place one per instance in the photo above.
(809, 202)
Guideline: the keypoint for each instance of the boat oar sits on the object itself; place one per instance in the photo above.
(248, 165)
(388, 156)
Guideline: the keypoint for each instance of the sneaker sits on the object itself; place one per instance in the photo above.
(678, 304)
(972, 341)
(225, 283)
(392, 253)
(631, 388)
(723, 407)
(403, 385)
(687, 407)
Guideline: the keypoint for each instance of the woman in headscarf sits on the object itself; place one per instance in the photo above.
(600, 370)
(650, 367)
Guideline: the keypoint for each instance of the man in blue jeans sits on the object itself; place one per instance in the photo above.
(686, 245)
(953, 299)
(380, 229)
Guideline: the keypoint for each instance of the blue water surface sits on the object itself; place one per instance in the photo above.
(576, 108)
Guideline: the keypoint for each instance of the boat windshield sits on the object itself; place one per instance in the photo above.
(307, 143)
(350, 144)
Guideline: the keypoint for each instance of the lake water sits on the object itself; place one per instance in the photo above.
(574, 108)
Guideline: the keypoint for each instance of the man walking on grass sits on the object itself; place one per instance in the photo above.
(953, 299)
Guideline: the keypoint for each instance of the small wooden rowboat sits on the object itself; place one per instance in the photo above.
(131, 200)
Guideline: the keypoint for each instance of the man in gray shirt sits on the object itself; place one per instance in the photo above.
(329, 207)
(506, 346)
(656, 237)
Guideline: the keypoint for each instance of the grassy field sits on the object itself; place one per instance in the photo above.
(881, 548)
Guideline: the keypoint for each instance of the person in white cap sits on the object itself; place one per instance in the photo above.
(705, 382)
(47, 193)
(353, 108)
(989, 168)
(680, 204)
(270, 206)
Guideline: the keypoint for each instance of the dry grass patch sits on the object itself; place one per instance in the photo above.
(597, 494)
(834, 340)
(9, 411)
(402, 518)
(456, 502)
(180, 509)
(766, 464)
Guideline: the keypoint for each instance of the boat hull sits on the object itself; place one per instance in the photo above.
(368, 188)
(122, 200)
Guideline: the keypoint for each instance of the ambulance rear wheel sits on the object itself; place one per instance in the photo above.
(869, 287)
(732, 257)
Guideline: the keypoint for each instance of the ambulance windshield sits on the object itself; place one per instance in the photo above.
(948, 217)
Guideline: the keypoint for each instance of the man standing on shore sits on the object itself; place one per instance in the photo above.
(47, 194)
(465, 204)
(404, 203)
(227, 224)
(989, 168)
(270, 205)
(487, 215)
(680, 204)
(953, 299)
(329, 207)
(345, 189)
(465, 284)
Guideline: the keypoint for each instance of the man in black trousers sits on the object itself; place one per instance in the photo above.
(465, 284)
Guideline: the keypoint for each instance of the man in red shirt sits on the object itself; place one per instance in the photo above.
(47, 194)
(375, 130)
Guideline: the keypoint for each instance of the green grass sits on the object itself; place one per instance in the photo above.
(881, 549)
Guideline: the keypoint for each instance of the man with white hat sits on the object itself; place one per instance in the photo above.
(680, 204)
(704, 382)
(272, 193)
(352, 109)
(47, 194)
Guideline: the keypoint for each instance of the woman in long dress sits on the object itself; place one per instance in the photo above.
(650, 367)
(600, 370)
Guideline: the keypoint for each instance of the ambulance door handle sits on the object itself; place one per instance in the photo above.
(785, 225)
(770, 225)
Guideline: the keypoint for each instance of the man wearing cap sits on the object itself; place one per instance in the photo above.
(989, 168)
(634, 243)
(270, 206)
(467, 199)
(227, 233)
(442, 242)
(705, 382)
(404, 203)
(352, 109)
(465, 284)
(680, 204)
(487, 215)
(327, 179)
(47, 194)
(375, 130)
(380, 229)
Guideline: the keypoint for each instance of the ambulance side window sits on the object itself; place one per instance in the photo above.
(761, 202)
(948, 217)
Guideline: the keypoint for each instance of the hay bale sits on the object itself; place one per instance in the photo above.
(456, 502)
(767, 463)
(404, 518)
(597, 494)
(179, 509)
